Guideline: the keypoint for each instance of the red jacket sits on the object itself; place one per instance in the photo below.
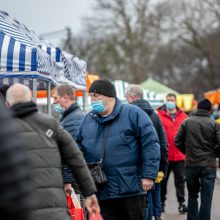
(171, 128)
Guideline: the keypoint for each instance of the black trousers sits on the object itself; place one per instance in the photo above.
(179, 170)
(130, 208)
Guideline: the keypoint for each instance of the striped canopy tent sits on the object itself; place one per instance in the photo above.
(21, 60)
(74, 71)
(67, 68)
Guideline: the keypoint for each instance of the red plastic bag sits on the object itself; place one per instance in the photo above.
(76, 213)
(95, 216)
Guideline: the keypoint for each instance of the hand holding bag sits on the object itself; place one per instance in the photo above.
(76, 213)
(96, 168)
(95, 216)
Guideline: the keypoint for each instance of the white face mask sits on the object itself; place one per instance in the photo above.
(171, 105)
(58, 108)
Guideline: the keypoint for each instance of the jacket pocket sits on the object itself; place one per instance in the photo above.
(128, 181)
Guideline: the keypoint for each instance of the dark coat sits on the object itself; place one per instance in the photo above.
(145, 106)
(14, 172)
(45, 143)
(132, 151)
(199, 138)
(71, 121)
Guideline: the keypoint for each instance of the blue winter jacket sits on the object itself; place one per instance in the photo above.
(132, 151)
(71, 121)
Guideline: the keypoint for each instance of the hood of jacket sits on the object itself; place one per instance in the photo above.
(21, 110)
(144, 105)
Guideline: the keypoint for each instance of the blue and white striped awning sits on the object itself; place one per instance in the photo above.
(63, 67)
(23, 34)
(74, 70)
(19, 55)
(11, 29)
(41, 84)
(19, 59)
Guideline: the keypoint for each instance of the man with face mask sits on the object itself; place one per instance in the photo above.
(172, 117)
(131, 153)
(72, 115)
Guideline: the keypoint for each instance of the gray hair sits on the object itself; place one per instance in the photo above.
(18, 93)
(135, 91)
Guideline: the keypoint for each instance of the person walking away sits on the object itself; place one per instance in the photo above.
(134, 95)
(15, 182)
(172, 117)
(45, 143)
(131, 152)
(199, 138)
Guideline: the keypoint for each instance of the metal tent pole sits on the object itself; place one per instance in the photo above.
(85, 101)
(35, 90)
(48, 98)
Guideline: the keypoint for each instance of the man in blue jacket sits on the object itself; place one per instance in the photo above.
(131, 153)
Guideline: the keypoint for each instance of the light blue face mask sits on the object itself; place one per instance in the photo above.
(98, 106)
(170, 105)
(58, 108)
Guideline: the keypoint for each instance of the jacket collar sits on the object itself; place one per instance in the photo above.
(72, 108)
(163, 110)
(21, 110)
(200, 112)
(144, 105)
(113, 115)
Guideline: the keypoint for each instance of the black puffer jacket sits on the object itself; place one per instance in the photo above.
(199, 138)
(145, 106)
(14, 173)
(71, 121)
(45, 143)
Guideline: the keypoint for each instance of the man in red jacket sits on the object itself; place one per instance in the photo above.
(171, 118)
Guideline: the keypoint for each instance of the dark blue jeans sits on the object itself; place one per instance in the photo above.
(200, 179)
(154, 206)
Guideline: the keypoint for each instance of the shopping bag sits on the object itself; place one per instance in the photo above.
(76, 213)
(95, 216)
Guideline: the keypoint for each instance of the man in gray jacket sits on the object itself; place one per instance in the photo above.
(45, 143)
(199, 138)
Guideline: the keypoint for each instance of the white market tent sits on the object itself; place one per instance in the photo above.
(20, 59)
(24, 55)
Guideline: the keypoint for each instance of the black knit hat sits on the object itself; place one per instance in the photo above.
(205, 104)
(103, 87)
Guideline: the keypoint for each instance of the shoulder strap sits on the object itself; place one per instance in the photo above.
(104, 140)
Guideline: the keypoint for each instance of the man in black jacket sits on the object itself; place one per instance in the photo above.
(14, 173)
(199, 138)
(134, 95)
(45, 143)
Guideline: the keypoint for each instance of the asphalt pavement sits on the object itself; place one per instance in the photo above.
(171, 209)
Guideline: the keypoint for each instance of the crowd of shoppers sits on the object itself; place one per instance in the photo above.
(136, 146)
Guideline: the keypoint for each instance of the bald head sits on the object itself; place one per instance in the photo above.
(18, 93)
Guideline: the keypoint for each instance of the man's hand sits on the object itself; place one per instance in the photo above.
(68, 188)
(92, 204)
(147, 184)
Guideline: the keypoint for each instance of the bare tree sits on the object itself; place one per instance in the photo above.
(175, 42)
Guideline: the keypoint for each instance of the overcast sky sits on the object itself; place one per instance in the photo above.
(45, 16)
